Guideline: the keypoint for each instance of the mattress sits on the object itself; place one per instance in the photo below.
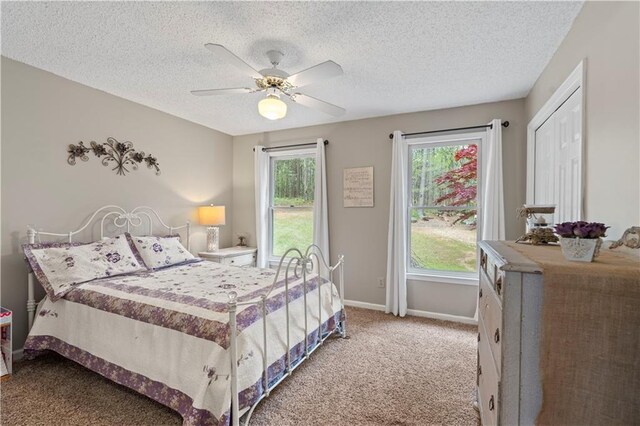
(165, 334)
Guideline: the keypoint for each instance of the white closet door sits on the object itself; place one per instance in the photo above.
(558, 165)
(544, 188)
(569, 131)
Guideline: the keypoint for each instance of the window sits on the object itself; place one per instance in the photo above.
(443, 205)
(292, 187)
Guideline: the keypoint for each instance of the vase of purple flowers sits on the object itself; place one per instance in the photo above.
(581, 241)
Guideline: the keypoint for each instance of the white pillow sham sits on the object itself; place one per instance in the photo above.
(160, 252)
(60, 268)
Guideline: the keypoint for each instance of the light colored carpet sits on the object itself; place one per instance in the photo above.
(391, 371)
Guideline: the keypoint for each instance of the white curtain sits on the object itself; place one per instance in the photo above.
(397, 244)
(320, 206)
(492, 227)
(492, 188)
(261, 164)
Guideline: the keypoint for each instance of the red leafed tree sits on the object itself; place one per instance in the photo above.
(460, 184)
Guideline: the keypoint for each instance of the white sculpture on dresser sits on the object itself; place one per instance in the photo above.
(630, 238)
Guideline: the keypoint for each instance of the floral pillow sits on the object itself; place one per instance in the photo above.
(60, 268)
(47, 244)
(160, 252)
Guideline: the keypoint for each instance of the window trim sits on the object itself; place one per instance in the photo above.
(444, 279)
(273, 156)
(433, 275)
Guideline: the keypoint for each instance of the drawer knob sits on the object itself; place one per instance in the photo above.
(497, 335)
(480, 294)
(492, 404)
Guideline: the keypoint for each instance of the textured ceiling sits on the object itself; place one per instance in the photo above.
(397, 56)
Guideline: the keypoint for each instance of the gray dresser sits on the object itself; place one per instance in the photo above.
(509, 317)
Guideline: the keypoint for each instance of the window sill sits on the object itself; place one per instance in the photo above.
(273, 263)
(443, 279)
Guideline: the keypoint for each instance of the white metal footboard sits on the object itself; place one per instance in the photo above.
(298, 264)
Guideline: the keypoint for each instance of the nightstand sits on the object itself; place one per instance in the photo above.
(236, 256)
(6, 348)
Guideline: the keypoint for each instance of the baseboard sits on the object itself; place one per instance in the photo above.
(444, 317)
(364, 305)
(414, 312)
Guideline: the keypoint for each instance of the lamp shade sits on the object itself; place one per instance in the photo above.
(211, 215)
(272, 107)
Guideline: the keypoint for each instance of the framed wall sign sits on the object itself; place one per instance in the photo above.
(357, 186)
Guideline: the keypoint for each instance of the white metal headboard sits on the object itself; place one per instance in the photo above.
(121, 219)
(115, 215)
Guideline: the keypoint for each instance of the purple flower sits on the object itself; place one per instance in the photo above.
(156, 247)
(565, 229)
(597, 230)
(581, 229)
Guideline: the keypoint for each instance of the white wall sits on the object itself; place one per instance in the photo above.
(607, 34)
(42, 114)
(361, 233)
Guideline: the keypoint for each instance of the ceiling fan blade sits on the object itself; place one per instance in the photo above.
(212, 92)
(314, 103)
(232, 59)
(323, 71)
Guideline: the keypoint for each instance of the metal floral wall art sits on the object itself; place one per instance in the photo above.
(119, 154)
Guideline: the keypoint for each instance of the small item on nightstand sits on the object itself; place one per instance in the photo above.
(242, 240)
(6, 349)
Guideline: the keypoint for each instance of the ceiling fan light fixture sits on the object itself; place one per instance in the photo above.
(272, 107)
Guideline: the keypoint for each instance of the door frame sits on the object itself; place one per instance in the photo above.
(573, 82)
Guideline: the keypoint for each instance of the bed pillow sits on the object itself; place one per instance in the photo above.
(160, 252)
(59, 268)
(35, 246)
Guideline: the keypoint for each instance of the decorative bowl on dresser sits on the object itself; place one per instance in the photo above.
(236, 256)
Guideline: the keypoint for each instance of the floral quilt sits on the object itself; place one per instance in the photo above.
(165, 333)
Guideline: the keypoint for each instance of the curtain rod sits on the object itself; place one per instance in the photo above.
(490, 126)
(271, 148)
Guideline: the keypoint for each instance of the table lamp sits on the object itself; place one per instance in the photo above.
(212, 216)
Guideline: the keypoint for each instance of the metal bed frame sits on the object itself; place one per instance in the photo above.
(294, 263)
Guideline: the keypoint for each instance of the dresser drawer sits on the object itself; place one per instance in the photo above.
(242, 260)
(488, 385)
(491, 272)
(490, 312)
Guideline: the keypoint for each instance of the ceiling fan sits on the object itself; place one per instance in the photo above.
(276, 83)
